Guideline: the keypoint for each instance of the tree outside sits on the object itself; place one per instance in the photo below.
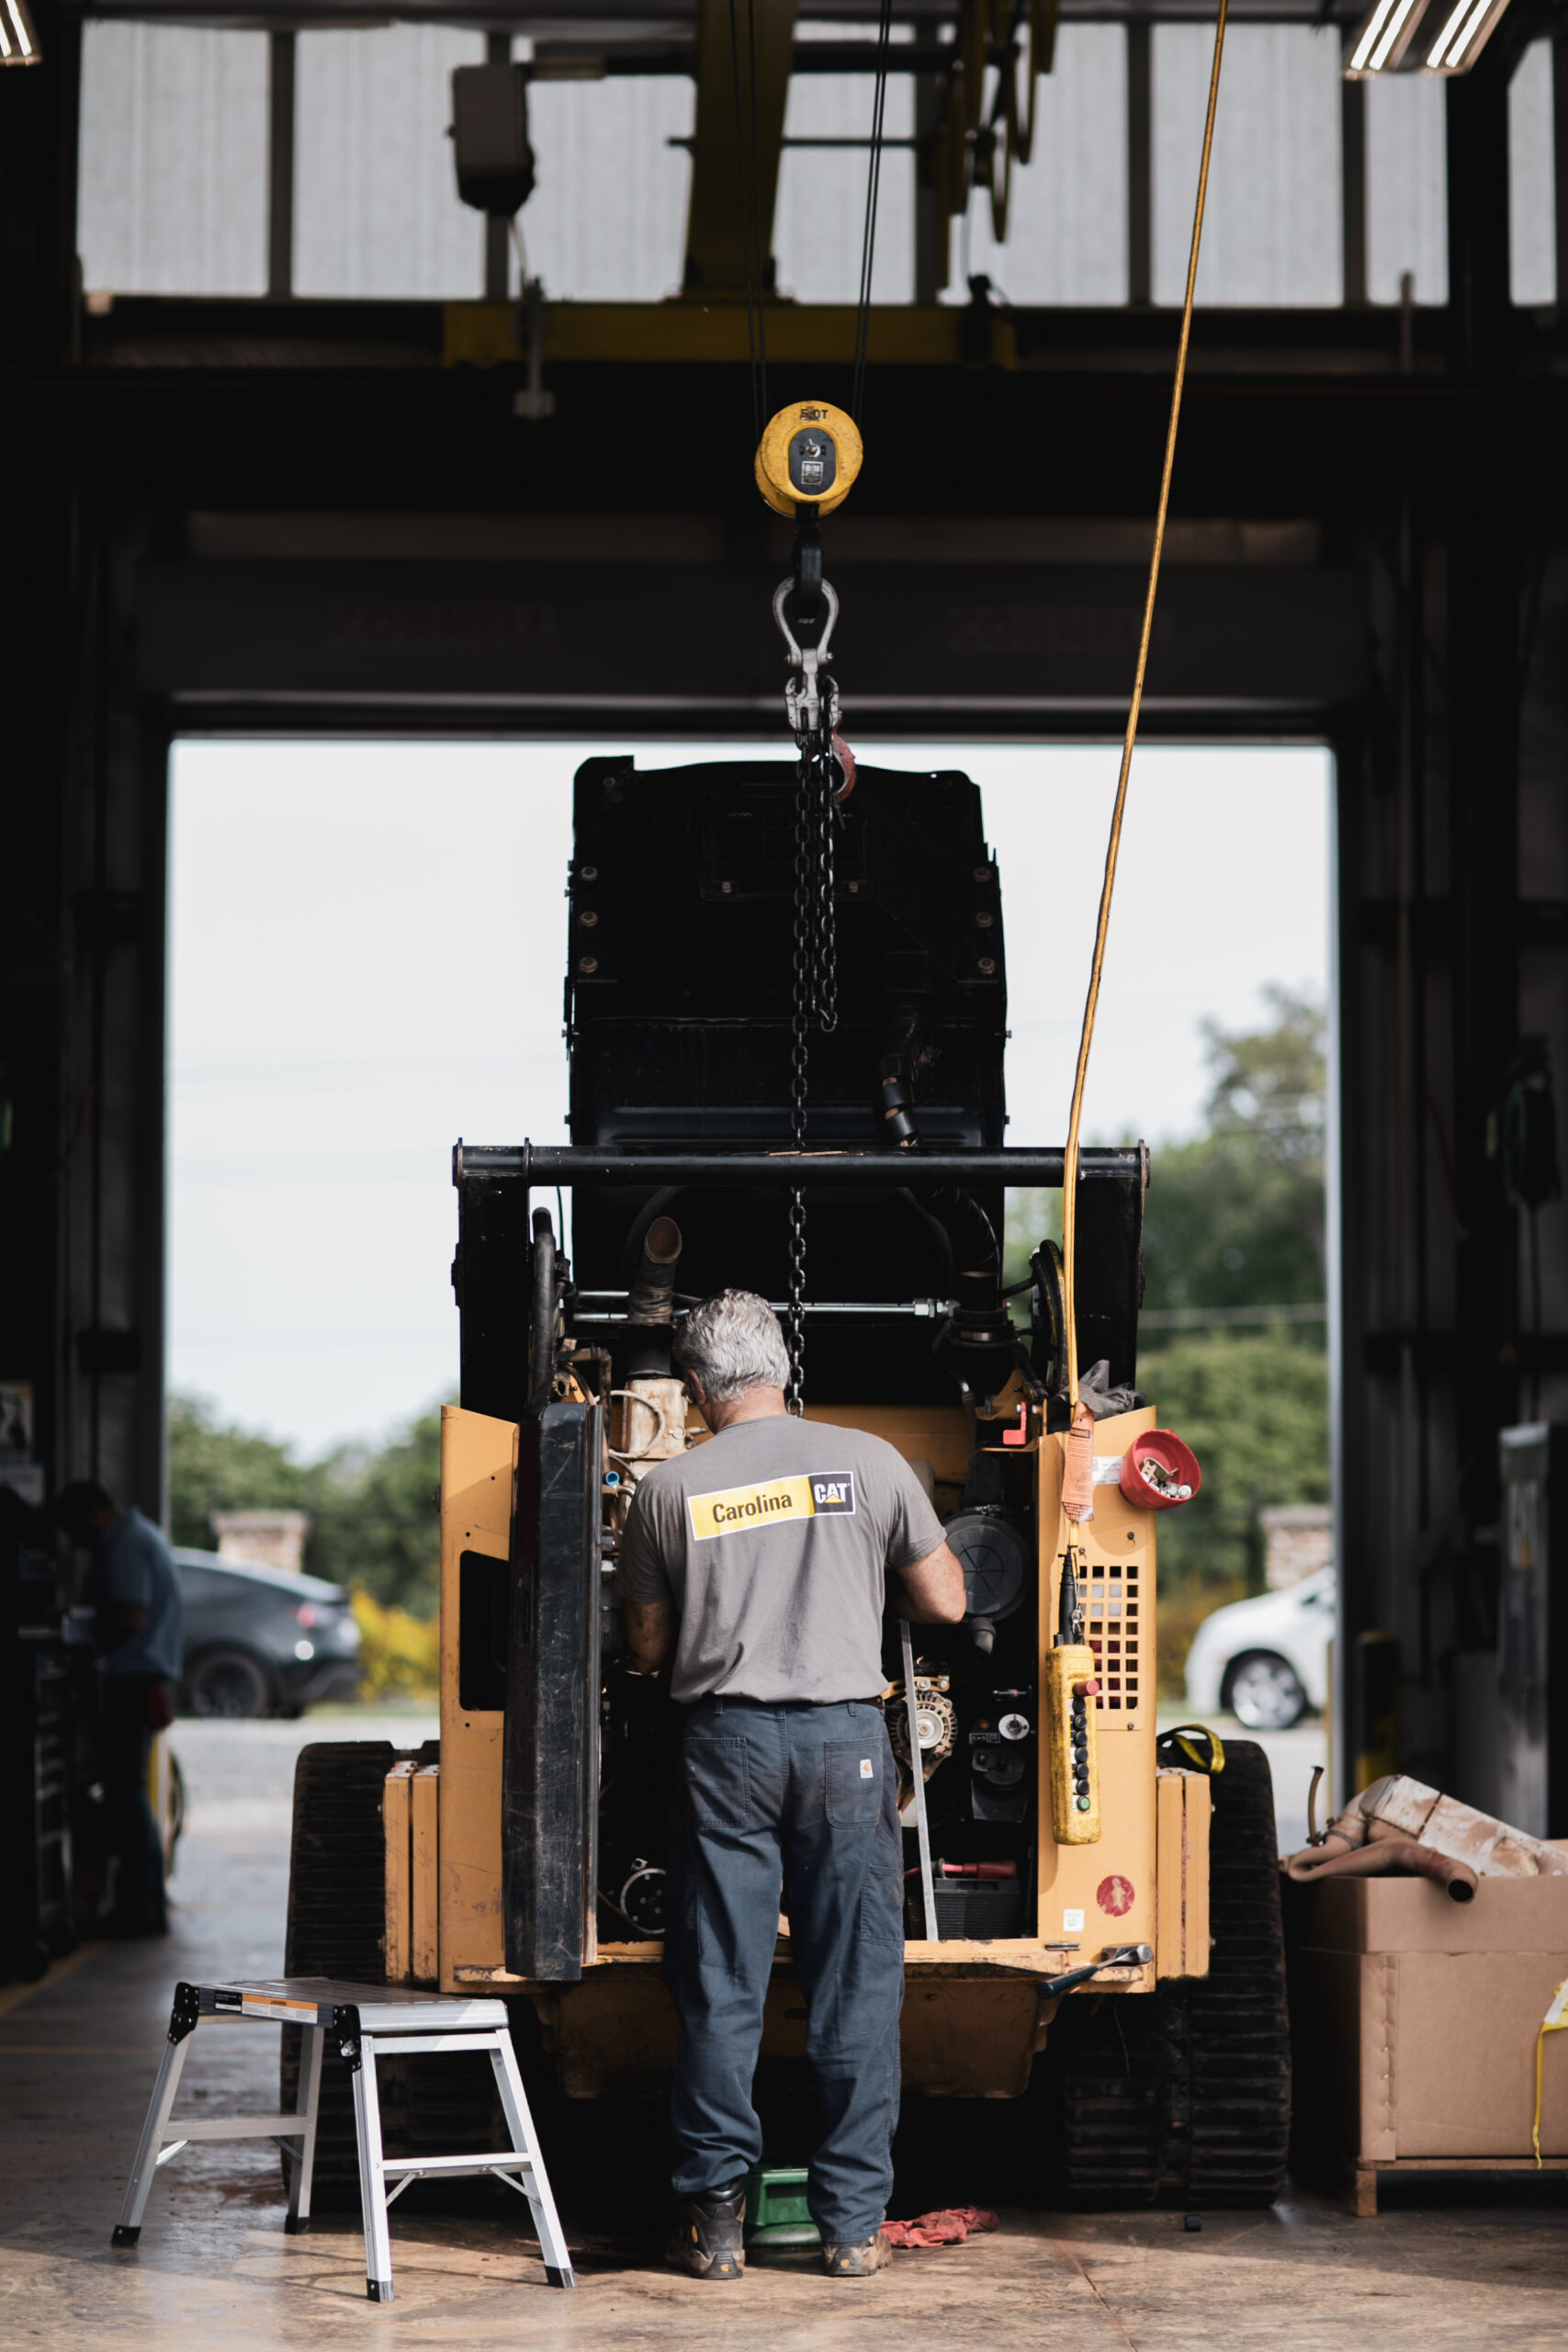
(375, 1513)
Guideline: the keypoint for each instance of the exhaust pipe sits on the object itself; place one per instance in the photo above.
(650, 1306)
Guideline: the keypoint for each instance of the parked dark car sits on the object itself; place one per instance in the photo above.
(261, 1641)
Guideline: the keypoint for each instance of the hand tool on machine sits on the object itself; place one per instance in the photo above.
(1116, 1956)
(917, 1765)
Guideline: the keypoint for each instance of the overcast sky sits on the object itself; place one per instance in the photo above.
(367, 944)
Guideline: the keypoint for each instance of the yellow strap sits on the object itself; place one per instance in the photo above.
(1554, 2021)
(1080, 1075)
(1216, 1762)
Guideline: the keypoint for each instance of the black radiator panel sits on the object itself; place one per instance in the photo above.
(679, 991)
(549, 1796)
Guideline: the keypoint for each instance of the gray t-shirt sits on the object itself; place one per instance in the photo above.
(771, 1540)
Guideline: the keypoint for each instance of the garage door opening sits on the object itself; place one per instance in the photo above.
(368, 943)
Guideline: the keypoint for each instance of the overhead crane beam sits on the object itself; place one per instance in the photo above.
(744, 50)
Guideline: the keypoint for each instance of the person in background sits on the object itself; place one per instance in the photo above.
(133, 1589)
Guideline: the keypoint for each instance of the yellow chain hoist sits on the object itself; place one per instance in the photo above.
(806, 465)
(809, 455)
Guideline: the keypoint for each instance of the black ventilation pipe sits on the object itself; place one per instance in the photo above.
(650, 1306)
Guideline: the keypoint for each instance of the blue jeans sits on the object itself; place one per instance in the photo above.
(791, 1808)
(125, 1747)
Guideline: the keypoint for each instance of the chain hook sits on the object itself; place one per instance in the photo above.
(811, 695)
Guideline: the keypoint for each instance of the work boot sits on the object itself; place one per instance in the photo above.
(857, 2261)
(708, 2243)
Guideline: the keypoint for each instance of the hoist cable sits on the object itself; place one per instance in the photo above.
(1070, 1163)
(761, 258)
(753, 319)
(873, 195)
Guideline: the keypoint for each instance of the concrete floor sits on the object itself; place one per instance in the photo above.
(214, 2270)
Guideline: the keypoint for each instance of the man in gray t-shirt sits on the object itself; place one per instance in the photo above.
(759, 1561)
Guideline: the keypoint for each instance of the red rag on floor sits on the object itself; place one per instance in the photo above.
(949, 2228)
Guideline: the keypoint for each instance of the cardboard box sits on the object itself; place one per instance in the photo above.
(1414, 2019)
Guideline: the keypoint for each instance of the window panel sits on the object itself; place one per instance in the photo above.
(1068, 232)
(607, 220)
(377, 210)
(1532, 184)
(1407, 165)
(819, 220)
(1271, 231)
(172, 182)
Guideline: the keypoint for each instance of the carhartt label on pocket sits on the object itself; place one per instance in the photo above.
(866, 1772)
(776, 1502)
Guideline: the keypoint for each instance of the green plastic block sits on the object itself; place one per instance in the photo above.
(776, 2212)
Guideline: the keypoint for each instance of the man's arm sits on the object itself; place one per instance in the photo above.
(933, 1588)
(650, 1632)
(122, 1612)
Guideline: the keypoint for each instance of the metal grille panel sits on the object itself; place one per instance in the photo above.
(1114, 1635)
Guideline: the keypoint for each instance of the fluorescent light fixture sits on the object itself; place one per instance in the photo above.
(1368, 37)
(1395, 27)
(1464, 36)
(1384, 35)
(18, 40)
(1385, 38)
(1438, 50)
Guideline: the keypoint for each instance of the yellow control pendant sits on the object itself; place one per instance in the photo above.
(1071, 1685)
(809, 455)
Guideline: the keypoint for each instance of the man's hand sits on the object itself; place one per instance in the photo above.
(118, 1622)
(935, 1589)
(650, 1632)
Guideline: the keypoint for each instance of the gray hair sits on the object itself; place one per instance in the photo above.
(732, 1343)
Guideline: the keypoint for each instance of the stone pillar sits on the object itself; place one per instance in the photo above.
(262, 1539)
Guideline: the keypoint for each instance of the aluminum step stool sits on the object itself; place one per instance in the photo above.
(361, 2021)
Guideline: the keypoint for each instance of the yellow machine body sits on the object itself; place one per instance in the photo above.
(977, 2010)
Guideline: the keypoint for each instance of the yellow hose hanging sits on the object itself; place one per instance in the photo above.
(1076, 1503)
(1554, 2021)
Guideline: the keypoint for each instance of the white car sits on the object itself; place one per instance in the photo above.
(1265, 1661)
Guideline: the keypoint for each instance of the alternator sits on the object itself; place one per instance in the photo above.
(936, 1726)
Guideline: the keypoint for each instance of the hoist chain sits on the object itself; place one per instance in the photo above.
(816, 1002)
(825, 775)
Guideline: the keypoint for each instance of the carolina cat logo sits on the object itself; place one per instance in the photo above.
(776, 1502)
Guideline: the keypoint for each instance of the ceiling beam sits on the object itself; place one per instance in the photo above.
(743, 63)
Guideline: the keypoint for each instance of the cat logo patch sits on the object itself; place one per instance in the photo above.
(834, 1492)
(774, 1502)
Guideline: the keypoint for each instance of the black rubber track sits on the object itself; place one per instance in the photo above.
(336, 1928)
(1184, 2095)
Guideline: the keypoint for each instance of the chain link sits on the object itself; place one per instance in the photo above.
(815, 1001)
(795, 1395)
